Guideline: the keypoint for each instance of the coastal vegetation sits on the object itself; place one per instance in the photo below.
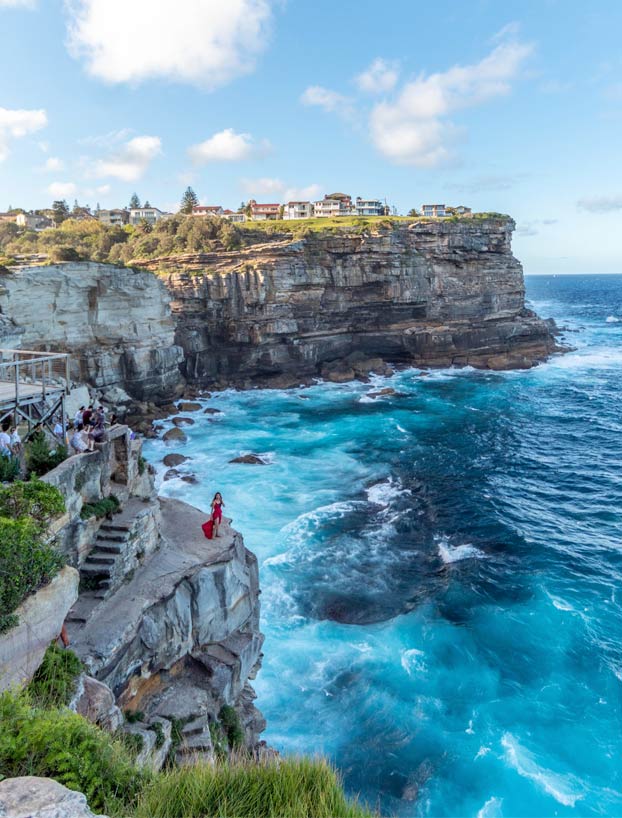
(28, 560)
(40, 736)
(90, 240)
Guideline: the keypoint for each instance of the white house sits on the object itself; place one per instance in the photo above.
(298, 210)
(264, 212)
(370, 207)
(232, 216)
(148, 214)
(33, 222)
(433, 210)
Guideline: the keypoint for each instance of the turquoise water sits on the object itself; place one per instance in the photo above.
(441, 571)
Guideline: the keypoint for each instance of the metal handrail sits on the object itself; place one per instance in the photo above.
(20, 359)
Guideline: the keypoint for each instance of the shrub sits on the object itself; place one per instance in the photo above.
(9, 469)
(39, 458)
(26, 564)
(230, 722)
(60, 744)
(54, 683)
(34, 499)
(142, 465)
(64, 253)
(157, 728)
(101, 508)
(292, 787)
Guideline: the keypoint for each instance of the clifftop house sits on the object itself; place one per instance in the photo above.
(264, 212)
(148, 214)
(116, 217)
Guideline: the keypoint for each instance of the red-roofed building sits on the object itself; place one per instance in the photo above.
(207, 210)
(263, 212)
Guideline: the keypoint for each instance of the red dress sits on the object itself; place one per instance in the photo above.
(217, 512)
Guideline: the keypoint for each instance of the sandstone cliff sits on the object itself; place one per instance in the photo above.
(115, 321)
(429, 292)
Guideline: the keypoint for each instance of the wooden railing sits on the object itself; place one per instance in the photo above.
(27, 367)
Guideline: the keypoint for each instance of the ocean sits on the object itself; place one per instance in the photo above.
(442, 570)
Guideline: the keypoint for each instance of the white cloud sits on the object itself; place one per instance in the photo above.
(508, 31)
(131, 161)
(15, 124)
(62, 190)
(380, 77)
(415, 129)
(202, 42)
(54, 164)
(279, 190)
(227, 146)
(601, 204)
(329, 101)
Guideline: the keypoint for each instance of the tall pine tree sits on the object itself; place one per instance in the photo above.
(134, 202)
(188, 201)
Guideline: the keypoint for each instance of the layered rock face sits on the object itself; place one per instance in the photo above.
(116, 322)
(431, 293)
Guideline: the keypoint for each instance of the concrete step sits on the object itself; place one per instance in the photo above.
(116, 527)
(112, 536)
(99, 557)
(107, 547)
(96, 569)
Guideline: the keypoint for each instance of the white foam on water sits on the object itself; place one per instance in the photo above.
(563, 788)
(400, 429)
(612, 319)
(482, 752)
(365, 399)
(412, 661)
(456, 553)
(491, 809)
(381, 494)
(278, 559)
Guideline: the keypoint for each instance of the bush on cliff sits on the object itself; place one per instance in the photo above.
(55, 681)
(34, 499)
(40, 459)
(60, 744)
(26, 564)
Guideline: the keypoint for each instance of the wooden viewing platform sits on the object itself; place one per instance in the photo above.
(33, 386)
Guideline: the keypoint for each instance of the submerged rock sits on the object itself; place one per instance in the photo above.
(175, 435)
(188, 406)
(174, 459)
(211, 411)
(252, 459)
(180, 421)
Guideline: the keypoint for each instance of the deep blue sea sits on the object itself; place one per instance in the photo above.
(442, 571)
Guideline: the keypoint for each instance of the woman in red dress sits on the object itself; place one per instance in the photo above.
(217, 507)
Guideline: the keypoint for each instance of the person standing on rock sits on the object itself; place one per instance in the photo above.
(217, 507)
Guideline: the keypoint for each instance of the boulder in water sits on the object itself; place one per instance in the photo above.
(174, 459)
(211, 411)
(174, 435)
(252, 459)
(188, 406)
(179, 421)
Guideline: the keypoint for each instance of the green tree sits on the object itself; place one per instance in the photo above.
(413, 212)
(134, 202)
(60, 210)
(188, 201)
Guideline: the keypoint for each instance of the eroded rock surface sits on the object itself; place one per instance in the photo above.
(33, 797)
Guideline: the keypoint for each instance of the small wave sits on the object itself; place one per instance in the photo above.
(411, 661)
(400, 429)
(491, 809)
(561, 787)
(365, 399)
(278, 559)
(381, 494)
(456, 553)
(613, 319)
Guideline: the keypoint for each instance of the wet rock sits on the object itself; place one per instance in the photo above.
(174, 436)
(174, 459)
(191, 479)
(179, 421)
(188, 406)
(211, 411)
(251, 459)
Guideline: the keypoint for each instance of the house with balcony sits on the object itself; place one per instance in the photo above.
(461, 210)
(434, 210)
(264, 212)
(208, 210)
(151, 215)
(113, 218)
(298, 210)
(33, 222)
(234, 217)
(370, 207)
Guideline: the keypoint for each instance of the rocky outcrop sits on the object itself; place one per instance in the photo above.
(33, 797)
(429, 293)
(40, 619)
(115, 321)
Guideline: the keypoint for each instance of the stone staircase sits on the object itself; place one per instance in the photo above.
(103, 568)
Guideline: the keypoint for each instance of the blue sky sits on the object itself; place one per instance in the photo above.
(514, 107)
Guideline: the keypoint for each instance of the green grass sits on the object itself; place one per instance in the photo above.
(101, 508)
(54, 683)
(284, 788)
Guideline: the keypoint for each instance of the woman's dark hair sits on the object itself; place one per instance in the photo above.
(218, 494)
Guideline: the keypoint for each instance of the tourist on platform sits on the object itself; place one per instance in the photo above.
(77, 419)
(58, 430)
(217, 507)
(98, 431)
(78, 440)
(16, 442)
(87, 416)
(5, 444)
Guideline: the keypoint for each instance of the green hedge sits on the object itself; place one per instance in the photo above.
(101, 508)
(26, 564)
